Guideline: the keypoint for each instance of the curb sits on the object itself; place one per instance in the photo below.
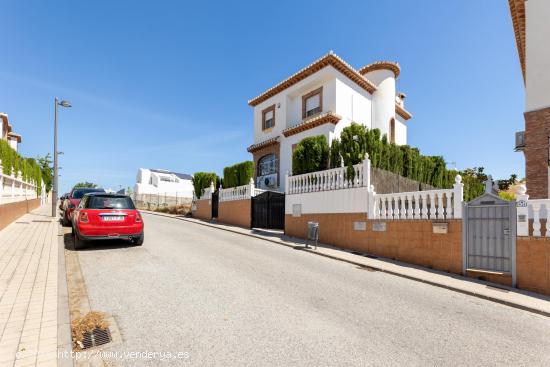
(64, 336)
(436, 284)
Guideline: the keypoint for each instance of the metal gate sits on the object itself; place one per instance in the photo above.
(268, 210)
(215, 197)
(489, 234)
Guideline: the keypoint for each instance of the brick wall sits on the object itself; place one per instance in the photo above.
(533, 264)
(235, 212)
(411, 241)
(204, 210)
(537, 130)
(12, 211)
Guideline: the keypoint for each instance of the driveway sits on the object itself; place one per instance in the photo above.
(225, 299)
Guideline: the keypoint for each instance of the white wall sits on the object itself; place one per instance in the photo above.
(400, 130)
(13, 143)
(537, 54)
(183, 188)
(336, 201)
(383, 104)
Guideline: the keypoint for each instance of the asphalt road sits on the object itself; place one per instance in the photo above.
(231, 300)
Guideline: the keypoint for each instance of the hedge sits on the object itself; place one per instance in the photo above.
(311, 154)
(238, 174)
(12, 162)
(202, 180)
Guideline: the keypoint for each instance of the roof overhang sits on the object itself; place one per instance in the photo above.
(264, 144)
(14, 136)
(381, 65)
(330, 59)
(402, 112)
(517, 10)
(325, 118)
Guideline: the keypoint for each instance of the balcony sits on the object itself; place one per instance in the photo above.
(520, 141)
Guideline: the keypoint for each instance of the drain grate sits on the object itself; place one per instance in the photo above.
(367, 268)
(371, 256)
(22, 223)
(96, 338)
(41, 221)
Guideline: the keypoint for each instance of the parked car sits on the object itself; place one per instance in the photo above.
(102, 216)
(72, 201)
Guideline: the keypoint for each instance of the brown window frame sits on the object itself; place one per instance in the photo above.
(264, 112)
(305, 97)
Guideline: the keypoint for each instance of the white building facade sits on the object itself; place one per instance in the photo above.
(163, 182)
(6, 132)
(322, 99)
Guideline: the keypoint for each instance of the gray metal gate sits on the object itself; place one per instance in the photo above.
(489, 234)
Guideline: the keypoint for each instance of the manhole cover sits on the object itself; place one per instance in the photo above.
(95, 338)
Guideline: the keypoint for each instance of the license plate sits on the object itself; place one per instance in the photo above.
(112, 218)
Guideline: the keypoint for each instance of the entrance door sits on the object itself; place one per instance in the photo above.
(268, 210)
(489, 234)
(215, 196)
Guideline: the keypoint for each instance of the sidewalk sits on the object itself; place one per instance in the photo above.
(34, 322)
(513, 297)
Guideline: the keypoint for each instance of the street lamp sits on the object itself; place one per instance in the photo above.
(66, 104)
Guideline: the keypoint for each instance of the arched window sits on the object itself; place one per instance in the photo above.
(392, 130)
(267, 165)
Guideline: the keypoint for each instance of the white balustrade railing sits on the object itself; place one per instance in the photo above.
(331, 179)
(13, 188)
(431, 204)
(236, 193)
(535, 210)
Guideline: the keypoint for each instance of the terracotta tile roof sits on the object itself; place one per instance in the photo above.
(329, 59)
(324, 118)
(381, 65)
(517, 10)
(402, 112)
(263, 144)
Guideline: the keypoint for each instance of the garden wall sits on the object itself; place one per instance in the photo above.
(203, 209)
(236, 212)
(533, 264)
(411, 241)
(12, 211)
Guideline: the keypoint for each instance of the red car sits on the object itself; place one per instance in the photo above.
(102, 216)
(72, 200)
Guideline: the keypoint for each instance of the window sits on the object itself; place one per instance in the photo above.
(109, 202)
(268, 118)
(312, 103)
(267, 165)
(392, 130)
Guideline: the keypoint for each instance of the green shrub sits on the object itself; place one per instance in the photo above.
(238, 174)
(12, 162)
(202, 180)
(311, 154)
(335, 159)
(507, 196)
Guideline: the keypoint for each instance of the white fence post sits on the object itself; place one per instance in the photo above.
(252, 187)
(287, 191)
(458, 197)
(366, 171)
(522, 212)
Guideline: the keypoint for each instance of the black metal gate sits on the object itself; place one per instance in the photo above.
(268, 210)
(215, 196)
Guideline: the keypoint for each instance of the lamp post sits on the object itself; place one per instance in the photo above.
(66, 104)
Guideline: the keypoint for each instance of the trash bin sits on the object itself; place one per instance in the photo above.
(313, 232)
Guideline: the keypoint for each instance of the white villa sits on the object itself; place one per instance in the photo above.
(6, 132)
(163, 182)
(322, 99)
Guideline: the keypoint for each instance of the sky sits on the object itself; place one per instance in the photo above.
(165, 84)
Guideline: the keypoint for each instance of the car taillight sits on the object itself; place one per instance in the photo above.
(84, 217)
(138, 217)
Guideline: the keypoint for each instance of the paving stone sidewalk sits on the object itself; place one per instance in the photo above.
(32, 293)
(513, 297)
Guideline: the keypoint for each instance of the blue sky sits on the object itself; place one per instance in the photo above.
(165, 84)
